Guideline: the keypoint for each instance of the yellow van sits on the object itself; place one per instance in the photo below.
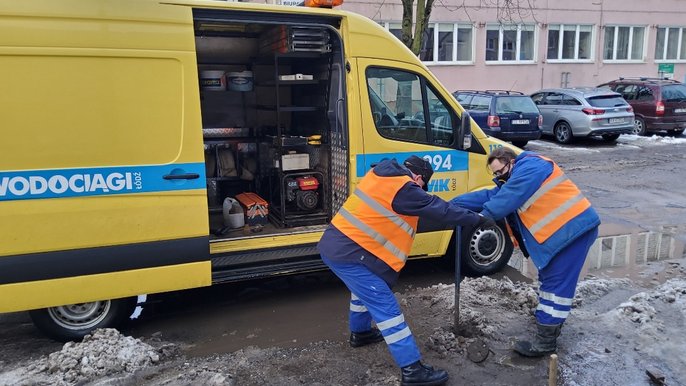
(151, 146)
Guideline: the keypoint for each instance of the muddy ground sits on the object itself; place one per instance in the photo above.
(626, 319)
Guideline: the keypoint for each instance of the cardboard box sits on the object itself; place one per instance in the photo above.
(295, 161)
(255, 208)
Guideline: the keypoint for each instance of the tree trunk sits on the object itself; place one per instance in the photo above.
(406, 34)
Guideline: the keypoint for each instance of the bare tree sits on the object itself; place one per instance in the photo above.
(415, 28)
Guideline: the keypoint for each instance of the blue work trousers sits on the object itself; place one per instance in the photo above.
(559, 279)
(372, 299)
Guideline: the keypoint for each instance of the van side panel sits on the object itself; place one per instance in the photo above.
(100, 106)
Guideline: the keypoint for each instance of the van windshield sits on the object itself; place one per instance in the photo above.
(606, 101)
(518, 105)
(674, 93)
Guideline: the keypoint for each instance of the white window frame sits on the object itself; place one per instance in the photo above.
(456, 26)
(518, 42)
(576, 59)
(629, 44)
(682, 32)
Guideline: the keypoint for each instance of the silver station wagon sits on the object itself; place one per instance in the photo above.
(583, 112)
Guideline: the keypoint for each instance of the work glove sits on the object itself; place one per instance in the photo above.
(485, 222)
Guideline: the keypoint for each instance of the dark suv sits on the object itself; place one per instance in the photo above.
(507, 115)
(659, 104)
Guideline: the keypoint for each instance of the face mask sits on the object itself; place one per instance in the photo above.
(505, 176)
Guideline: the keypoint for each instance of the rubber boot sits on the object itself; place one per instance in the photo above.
(419, 374)
(544, 342)
(359, 339)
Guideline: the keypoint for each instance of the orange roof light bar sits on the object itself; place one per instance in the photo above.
(323, 3)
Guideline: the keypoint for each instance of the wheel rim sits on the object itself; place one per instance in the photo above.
(486, 246)
(80, 316)
(638, 127)
(562, 132)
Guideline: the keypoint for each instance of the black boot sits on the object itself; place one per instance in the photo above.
(544, 342)
(359, 339)
(419, 374)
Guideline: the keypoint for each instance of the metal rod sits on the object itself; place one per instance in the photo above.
(458, 275)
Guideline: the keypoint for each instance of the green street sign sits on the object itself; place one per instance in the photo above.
(665, 68)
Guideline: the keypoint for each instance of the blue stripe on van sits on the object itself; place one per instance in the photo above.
(99, 181)
(442, 161)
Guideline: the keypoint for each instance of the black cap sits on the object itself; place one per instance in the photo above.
(421, 167)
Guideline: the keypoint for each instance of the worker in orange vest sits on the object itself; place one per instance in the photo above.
(366, 245)
(551, 221)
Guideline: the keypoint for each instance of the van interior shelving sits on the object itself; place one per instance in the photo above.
(279, 133)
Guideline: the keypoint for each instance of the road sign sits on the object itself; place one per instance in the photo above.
(665, 70)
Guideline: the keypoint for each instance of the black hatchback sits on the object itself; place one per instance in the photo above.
(507, 115)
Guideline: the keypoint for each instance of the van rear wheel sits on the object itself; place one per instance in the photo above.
(74, 321)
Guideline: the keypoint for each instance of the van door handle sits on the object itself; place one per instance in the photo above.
(187, 176)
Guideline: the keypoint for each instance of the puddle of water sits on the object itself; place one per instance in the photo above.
(627, 253)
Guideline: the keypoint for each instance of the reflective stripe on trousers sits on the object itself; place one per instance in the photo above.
(372, 299)
(559, 279)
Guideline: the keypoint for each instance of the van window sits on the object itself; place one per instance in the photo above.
(628, 91)
(399, 102)
(674, 93)
(645, 94)
(517, 105)
(480, 103)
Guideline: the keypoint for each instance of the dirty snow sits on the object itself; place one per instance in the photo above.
(610, 316)
(654, 139)
(102, 353)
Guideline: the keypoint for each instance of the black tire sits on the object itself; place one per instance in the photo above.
(520, 144)
(563, 133)
(485, 251)
(639, 126)
(610, 137)
(676, 132)
(74, 321)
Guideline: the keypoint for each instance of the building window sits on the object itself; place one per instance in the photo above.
(510, 43)
(669, 44)
(447, 43)
(570, 42)
(624, 43)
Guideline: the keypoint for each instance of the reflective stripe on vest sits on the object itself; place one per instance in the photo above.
(367, 218)
(555, 203)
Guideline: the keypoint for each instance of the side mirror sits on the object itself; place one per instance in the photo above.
(463, 133)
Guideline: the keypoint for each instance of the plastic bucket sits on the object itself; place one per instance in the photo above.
(233, 213)
(240, 81)
(212, 80)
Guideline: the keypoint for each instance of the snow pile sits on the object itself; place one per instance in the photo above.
(641, 307)
(592, 289)
(504, 294)
(104, 352)
(665, 140)
(654, 139)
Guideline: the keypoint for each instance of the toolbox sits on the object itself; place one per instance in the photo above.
(255, 208)
(287, 39)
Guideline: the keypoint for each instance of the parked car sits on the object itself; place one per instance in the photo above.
(659, 104)
(507, 115)
(583, 112)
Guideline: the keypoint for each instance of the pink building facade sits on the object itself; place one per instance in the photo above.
(473, 44)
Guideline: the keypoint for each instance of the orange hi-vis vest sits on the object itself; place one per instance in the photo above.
(554, 204)
(367, 218)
